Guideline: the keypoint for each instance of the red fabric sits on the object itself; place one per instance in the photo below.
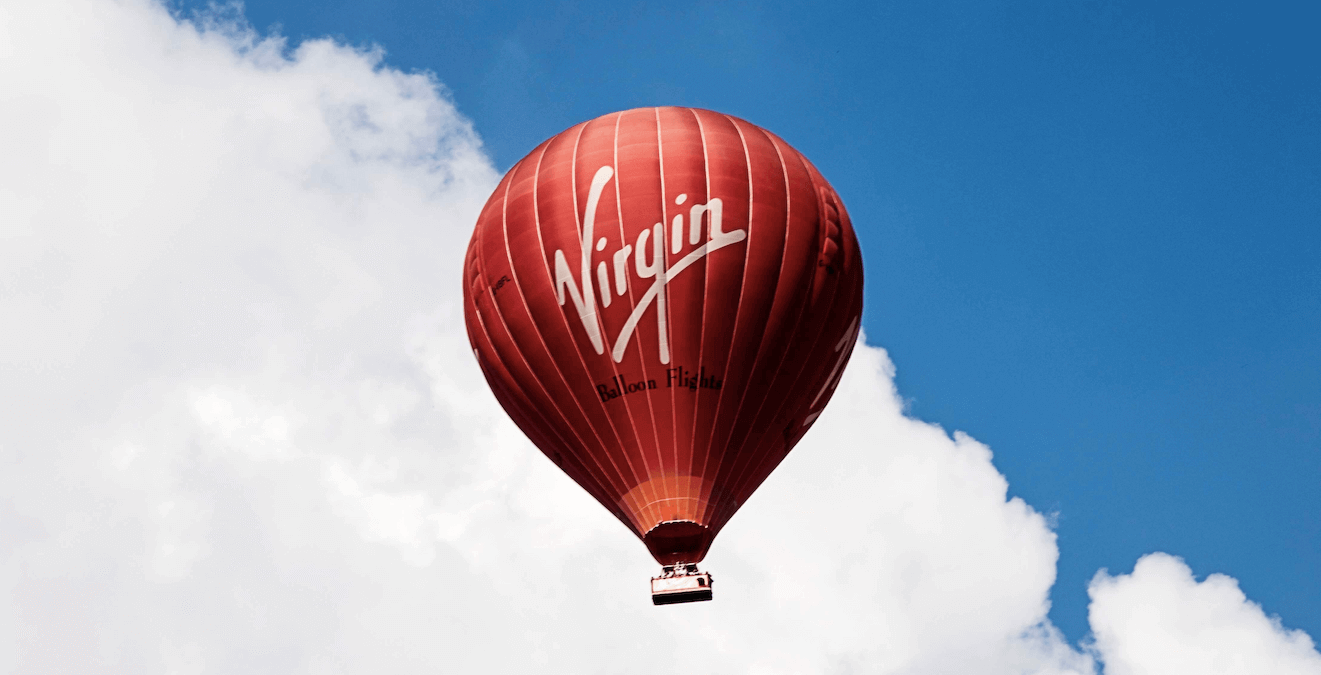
(759, 315)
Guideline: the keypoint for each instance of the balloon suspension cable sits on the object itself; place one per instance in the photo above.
(680, 582)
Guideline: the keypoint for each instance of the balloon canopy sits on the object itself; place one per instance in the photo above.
(664, 299)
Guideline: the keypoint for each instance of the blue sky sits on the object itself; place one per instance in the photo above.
(1091, 229)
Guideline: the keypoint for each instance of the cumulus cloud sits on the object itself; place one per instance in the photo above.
(1159, 619)
(243, 431)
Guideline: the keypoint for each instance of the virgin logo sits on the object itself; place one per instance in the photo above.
(646, 265)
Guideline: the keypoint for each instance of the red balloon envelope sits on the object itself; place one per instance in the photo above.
(663, 299)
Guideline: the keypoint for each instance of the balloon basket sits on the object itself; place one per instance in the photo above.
(680, 583)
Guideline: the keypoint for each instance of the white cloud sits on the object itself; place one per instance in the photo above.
(244, 432)
(1159, 619)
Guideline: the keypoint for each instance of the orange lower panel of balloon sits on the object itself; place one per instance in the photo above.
(670, 511)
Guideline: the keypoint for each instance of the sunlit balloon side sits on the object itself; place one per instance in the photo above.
(664, 299)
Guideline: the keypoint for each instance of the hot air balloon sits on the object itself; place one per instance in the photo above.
(664, 300)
